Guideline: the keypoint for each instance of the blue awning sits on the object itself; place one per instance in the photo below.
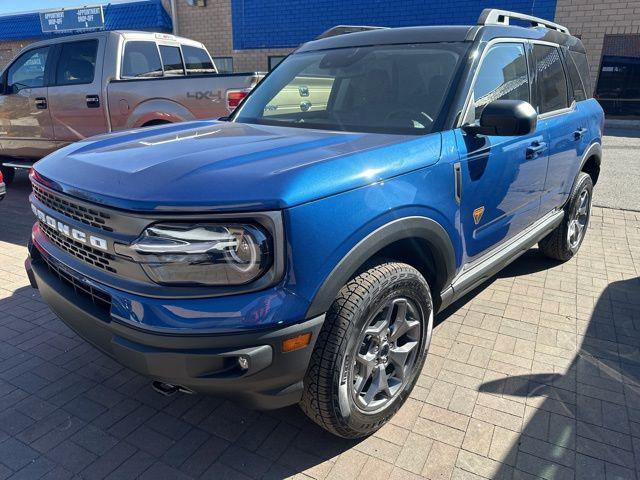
(136, 15)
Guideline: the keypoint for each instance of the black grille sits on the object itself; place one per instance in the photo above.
(100, 299)
(88, 216)
(88, 254)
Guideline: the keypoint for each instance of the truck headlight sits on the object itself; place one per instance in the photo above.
(204, 253)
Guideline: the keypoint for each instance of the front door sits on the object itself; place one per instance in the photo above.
(25, 120)
(75, 96)
(502, 178)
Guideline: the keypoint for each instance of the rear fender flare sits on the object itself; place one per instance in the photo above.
(421, 228)
(158, 110)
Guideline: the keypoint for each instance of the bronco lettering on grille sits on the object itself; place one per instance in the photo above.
(67, 231)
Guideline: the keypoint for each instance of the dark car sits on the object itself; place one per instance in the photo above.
(297, 252)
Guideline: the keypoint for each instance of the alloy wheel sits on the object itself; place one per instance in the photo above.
(579, 220)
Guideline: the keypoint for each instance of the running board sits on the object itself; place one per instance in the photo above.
(491, 263)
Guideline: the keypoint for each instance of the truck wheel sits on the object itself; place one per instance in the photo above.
(564, 242)
(370, 350)
(8, 173)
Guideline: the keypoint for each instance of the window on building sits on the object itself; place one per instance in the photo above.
(171, 60)
(77, 63)
(551, 79)
(618, 89)
(274, 60)
(224, 64)
(503, 75)
(141, 59)
(197, 60)
(28, 70)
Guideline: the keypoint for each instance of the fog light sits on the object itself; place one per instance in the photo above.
(243, 363)
(296, 343)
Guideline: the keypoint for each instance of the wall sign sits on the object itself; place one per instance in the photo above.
(85, 18)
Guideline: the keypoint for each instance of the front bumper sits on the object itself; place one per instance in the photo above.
(204, 363)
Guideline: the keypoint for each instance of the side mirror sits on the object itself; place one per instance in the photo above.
(506, 118)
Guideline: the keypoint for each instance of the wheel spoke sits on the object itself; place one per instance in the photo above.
(367, 365)
(398, 357)
(379, 384)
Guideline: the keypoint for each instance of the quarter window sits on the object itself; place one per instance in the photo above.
(172, 60)
(552, 82)
(77, 63)
(141, 59)
(28, 70)
(197, 60)
(503, 75)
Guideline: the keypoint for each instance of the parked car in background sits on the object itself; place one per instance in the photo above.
(299, 254)
(57, 92)
(3, 188)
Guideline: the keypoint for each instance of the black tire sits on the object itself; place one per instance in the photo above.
(8, 173)
(328, 397)
(557, 245)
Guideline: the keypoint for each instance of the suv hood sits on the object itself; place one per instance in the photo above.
(229, 166)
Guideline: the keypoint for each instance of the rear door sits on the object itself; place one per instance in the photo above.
(25, 120)
(501, 177)
(75, 96)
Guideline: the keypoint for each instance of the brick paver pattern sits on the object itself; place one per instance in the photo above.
(536, 374)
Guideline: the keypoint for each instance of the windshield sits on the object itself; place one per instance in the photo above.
(387, 89)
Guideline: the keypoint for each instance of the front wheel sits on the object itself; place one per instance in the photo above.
(564, 242)
(370, 350)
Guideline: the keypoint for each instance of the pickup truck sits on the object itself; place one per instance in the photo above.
(57, 92)
(298, 251)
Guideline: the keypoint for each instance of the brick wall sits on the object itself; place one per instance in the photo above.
(8, 50)
(593, 19)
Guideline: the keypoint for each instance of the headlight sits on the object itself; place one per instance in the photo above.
(204, 254)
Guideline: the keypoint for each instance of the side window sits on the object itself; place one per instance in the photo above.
(579, 93)
(141, 59)
(28, 70)
(172, 60)
(580, 60)
(77, 63)
(503, 75)
(197, 60)
(552, 82)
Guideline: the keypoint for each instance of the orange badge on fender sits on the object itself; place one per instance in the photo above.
(477, 214)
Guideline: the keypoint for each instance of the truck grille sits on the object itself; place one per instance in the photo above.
(88, 216)
(100, 299)
(85, 253)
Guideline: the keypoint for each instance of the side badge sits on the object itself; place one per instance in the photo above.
(477, 214)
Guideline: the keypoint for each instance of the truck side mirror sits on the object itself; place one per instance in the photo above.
(506, 118)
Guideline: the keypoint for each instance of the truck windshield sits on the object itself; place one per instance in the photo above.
(386, 89)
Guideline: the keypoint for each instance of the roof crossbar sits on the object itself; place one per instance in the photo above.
(344, 29)
(493, 16)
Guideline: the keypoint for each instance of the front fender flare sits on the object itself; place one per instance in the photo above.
(421, 228)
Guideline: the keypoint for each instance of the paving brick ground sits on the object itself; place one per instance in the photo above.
(537, 374)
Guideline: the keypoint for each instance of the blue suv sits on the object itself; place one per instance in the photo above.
(297, 251)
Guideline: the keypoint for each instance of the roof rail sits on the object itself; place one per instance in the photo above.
(493, 16)
(344, 29)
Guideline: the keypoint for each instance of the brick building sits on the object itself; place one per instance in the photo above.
(254, 35)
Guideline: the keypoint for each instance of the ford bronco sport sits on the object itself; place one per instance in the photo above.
(297, 251)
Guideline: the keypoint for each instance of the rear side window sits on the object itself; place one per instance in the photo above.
(172, 60)
(503, 75)
(141, 59)
(574, 76)
(552, 82)
(197, 60)
(580, 61)
(77, 63)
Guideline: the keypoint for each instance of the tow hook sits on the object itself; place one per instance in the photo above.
(168, 389)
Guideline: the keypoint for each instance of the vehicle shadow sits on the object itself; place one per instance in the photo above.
(16, 212)
(579, 423)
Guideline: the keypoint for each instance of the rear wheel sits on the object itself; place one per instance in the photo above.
(370, 350)
(565, 241)
(8, 174)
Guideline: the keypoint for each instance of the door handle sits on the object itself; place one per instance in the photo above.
(93, 101)
(578, 134)
(41, 103)
(535, 149)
